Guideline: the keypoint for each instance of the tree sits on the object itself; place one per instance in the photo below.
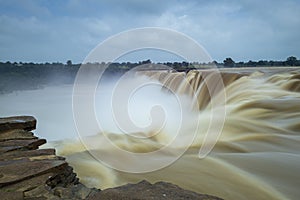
(251, 63)
(262, 63)
(292, 61)
(228, 62)
(145, 62)
(69, 62)
(215, 62)
(240, 64)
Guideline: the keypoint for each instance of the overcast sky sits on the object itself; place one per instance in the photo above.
(49, 31)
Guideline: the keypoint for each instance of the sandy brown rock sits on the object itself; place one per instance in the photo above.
(145, 191)
(7, 195)
(11, 145)
(16, 134)
(12, 155)
(27, 172)
(18, 170)
(27, 123)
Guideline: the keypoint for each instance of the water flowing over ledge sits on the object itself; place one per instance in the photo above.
(255, 157)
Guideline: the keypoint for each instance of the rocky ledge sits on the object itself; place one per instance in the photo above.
(27, 172)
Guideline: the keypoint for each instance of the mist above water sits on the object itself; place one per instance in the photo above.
(146, 106)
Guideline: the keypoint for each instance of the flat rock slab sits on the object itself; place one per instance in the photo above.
(17, 170)
(145, 191)
(11, 145)
(16, 134)
(6, 195)
(27, 123)
(12, 155)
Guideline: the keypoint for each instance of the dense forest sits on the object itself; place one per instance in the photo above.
(20, 76)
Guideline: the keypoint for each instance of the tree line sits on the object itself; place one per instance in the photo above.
(19, 76)
(290, 61)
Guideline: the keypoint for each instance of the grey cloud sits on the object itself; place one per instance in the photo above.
(118, 8)
(244, 30)
(28, 8)
(64, 30)
(31, 39)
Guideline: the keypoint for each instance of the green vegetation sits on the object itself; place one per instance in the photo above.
(290, 61)
(22, 76)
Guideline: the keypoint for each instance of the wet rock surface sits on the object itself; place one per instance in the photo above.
(27, 172)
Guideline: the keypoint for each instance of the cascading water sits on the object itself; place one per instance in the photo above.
(255, 157)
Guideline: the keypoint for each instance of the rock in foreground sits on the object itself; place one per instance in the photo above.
(145, 190)
(27, 172)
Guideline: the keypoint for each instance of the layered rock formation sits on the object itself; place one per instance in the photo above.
(27, 172)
